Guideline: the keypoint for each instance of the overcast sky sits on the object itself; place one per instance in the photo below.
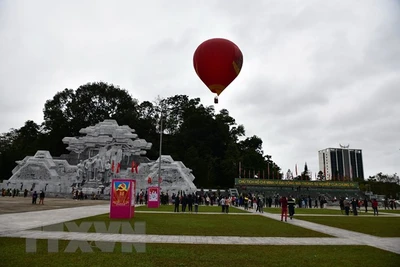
(315, 73)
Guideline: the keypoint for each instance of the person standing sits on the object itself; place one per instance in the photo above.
(34, 197)
(260, 205)
(341, 204)
(366, 205)
(246, 203)
(284, 206)
(291, 205)
(41, 197)
(227, 204)
(190, 203)
(196, 203)
(375, 206)
(346, 206)
(184, 201)
(354, 204)
(176, 203)
(141, 196)
(222, 203)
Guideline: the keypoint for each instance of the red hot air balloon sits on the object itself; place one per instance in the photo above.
(217, 63)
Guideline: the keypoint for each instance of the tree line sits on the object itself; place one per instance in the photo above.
(210, 143)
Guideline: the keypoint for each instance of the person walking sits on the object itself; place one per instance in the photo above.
(284, 206)
(291, 205)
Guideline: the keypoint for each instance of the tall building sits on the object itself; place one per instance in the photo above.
(341, 163)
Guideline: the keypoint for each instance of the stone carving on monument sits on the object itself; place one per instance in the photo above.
(42, 171)
(108, 148)
(175, 176)
(105, 151)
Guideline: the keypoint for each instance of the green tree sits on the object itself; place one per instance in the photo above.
(210, 143)
(17, 144)
(305, 174)
(69, 111)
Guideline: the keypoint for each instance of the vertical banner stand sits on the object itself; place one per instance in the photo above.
(122, 198)
(153, 194)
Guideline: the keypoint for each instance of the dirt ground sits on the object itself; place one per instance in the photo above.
(21, 204)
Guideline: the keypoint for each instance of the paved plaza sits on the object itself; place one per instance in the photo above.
(20, 224)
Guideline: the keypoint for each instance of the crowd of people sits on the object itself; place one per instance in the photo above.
(16, 193)
(185, 202)
(10, 192)
(354, 205)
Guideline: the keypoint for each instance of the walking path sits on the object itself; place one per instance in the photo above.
(18, 225)
(209, 213)
(390, 244)
(33, 219)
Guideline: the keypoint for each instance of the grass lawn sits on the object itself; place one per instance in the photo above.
(201, 209)
(315, 211)
(212, 225)
(377, 226)
(389, 211)
(13, 254)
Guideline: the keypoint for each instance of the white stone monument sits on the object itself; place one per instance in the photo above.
(105, 151)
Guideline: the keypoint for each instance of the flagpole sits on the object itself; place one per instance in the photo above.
(159, 163)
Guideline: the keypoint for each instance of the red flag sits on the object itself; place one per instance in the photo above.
(118, 167)
(134, 167)
(112, 166)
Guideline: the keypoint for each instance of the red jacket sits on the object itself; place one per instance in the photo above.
(284, 203)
